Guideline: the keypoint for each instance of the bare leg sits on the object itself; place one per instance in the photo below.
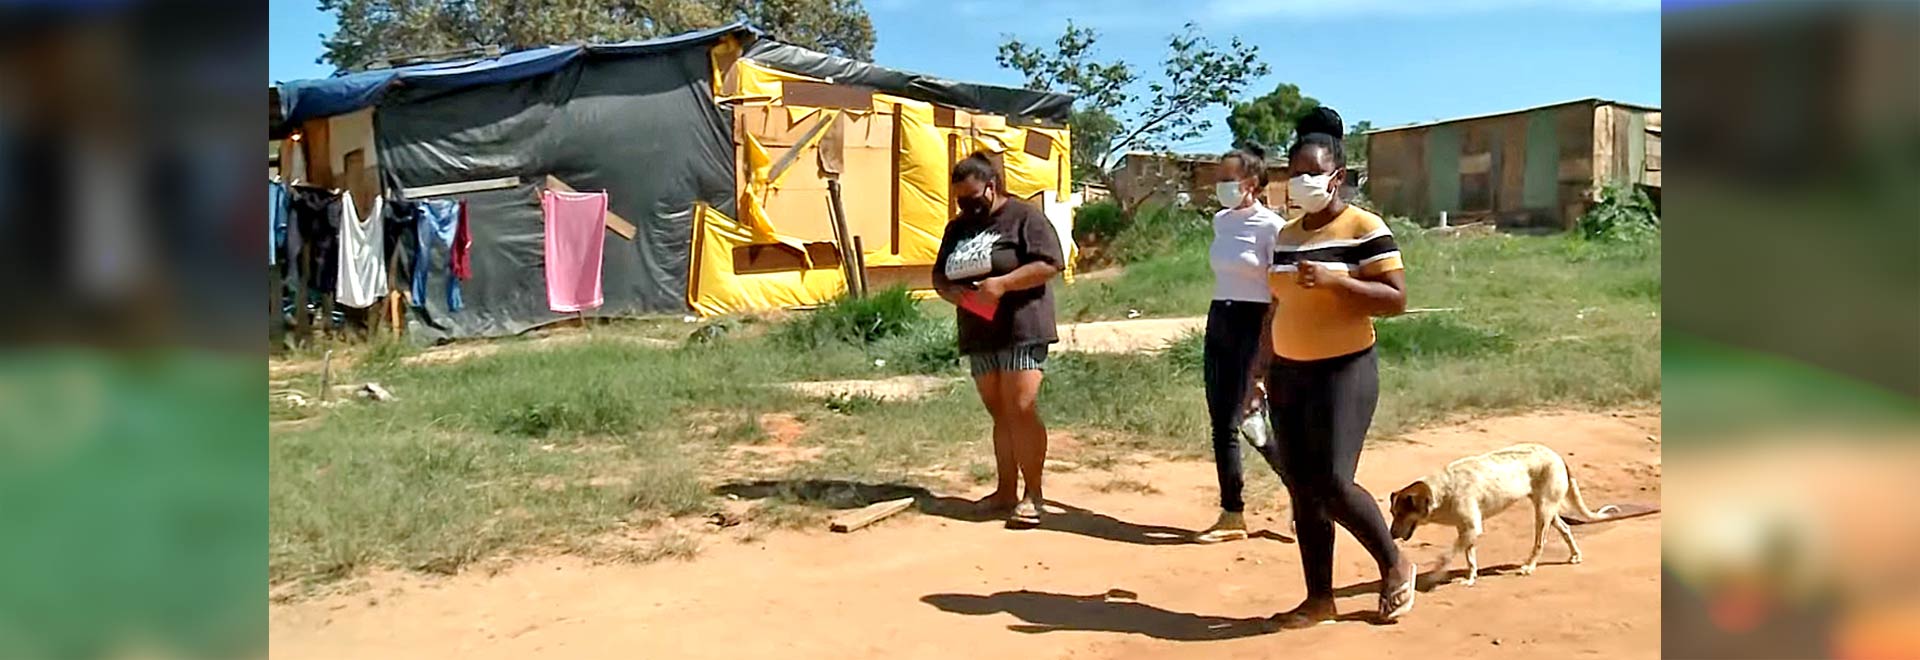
(1020, 392)
(1006, 469)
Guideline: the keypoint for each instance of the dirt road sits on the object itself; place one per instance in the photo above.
(1109, 579)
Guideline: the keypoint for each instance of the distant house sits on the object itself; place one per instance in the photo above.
(1534, 168)
(1182, 179)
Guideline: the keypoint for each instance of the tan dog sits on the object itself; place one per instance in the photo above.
(1471, 489)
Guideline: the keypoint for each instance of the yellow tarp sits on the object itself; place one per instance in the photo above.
(923, 182)
(714, 288)
(924, 160)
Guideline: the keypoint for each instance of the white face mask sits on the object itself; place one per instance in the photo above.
(1308, 193)
(1227, 193)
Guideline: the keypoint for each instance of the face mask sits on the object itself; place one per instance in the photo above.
(1309, 192)
(974, 205)
(1227, 193)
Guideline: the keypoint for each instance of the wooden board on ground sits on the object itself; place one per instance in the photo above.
(1626, 511)
(871, 514)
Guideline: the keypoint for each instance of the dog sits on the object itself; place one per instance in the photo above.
(1473, 488)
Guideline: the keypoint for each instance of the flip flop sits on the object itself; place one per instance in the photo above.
(1220, 536)
(1025, 515)
(1396, 603)
(1617, 512)
(1296, 619)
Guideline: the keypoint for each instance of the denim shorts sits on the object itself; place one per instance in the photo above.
(1029, 357)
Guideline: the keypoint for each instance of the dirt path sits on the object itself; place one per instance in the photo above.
(1109, 580)
(1126, 336)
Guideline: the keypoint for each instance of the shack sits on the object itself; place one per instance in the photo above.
(720, 152)
(1532, 168)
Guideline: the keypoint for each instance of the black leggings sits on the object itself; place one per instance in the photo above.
(1321, 411)
(1233, 337)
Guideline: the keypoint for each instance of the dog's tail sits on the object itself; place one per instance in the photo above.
(1580, 503)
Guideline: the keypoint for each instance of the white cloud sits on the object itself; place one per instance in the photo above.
(1256, 9)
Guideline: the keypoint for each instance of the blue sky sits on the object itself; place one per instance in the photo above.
(1389, 61)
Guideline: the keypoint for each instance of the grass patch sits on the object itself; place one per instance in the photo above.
(538, 446)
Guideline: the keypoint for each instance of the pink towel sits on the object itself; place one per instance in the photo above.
(576, 224)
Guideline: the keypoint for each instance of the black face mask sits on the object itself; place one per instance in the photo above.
(977, 205)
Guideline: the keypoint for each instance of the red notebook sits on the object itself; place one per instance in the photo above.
(971, 302)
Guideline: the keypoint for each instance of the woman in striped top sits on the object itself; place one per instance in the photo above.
(1335, 267)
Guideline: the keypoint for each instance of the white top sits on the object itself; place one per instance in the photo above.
(1242, 250)
(362, 278)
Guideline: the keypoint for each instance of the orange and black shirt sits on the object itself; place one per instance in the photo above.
(1317, 323)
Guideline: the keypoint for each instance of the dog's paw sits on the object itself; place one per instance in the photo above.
(1574, 559)
(1469, 580)
(1526, 569)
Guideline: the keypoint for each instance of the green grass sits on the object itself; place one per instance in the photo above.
(536, 448)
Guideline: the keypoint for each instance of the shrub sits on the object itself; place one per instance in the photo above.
(859, 321)
(1623, 213)
(1159, 230)
(1098, 222)
(929, 347)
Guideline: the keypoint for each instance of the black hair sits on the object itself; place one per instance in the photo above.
(1252, 157)
(1321, 127)
(977, 168)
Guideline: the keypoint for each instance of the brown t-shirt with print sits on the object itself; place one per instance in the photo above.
(976, 247)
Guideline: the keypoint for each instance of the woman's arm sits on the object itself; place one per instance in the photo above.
(1380, 295)
(1384, 294)
(948, 290)
(1027, 276)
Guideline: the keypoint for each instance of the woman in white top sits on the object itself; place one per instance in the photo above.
(1237, 340)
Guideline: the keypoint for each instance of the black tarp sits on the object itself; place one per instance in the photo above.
(638, 121)
(643, 127)
(1016, 104)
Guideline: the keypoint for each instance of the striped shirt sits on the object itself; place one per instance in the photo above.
(1317, 323)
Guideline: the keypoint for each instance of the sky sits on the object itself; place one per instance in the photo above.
(1392, 62)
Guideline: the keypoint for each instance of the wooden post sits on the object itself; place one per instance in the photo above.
(860, 264)
(843, 239)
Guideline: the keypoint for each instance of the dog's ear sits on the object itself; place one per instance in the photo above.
(1420, 496)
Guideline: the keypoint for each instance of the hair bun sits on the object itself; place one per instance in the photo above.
(1255, 148)
(1321, 119)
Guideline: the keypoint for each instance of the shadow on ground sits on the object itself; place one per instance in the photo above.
(1114, 612)
(837, 494)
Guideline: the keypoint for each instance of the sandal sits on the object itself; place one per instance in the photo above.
(1025, 515)
(1230, 527)
(1305, 616)
(1398, 600)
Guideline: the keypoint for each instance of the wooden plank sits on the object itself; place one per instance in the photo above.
(843, 239)
(458, 187)
(615, 223)
(1625, 511)
(1038, 145)
(820, 123)
(825, 95)
(860, 264)
(894, 183)
(871, 514)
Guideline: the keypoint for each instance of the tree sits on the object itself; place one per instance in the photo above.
(1114, 115)
(1269, 120)
(373, 31)
(1356, 142)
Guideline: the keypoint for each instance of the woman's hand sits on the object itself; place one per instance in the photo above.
(1311, 274)
(991, 289)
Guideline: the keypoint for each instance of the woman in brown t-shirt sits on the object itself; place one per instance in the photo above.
(996, 259)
